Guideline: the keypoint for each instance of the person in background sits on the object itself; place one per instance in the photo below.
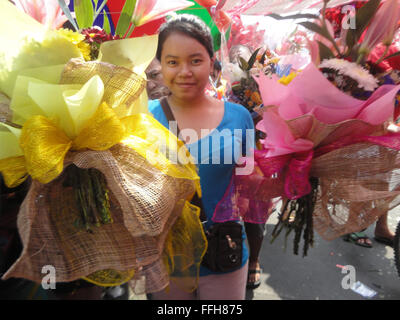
(255, 232)
(216, 73)
(155, 87)
(217, 85)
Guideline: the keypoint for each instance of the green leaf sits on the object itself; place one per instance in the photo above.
(130, 30)
(106, 23)
(98, 11)
(324, 51)
(252, 59)
(262, 60)
(316, 28)
(293, 16)
(243, 64)
(363, 17)
(392, 55)
(320, 30)
(125, 17)
(67, 13)
(84, 13)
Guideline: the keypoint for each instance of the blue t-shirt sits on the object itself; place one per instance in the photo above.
(216, 154)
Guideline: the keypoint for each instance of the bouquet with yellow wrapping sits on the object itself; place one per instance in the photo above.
(104, 204)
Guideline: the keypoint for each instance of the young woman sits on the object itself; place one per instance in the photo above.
(214, 132)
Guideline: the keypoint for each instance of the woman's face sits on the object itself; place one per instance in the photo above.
(185, 65)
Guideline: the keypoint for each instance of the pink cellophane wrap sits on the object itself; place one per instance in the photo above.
(311, 93)
(238, 201)
(315, 130)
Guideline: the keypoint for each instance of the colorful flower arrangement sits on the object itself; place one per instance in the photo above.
(249, 35)
(328, 152)
(335, 15)
(94, 37)
(98, 207)
(244, 88)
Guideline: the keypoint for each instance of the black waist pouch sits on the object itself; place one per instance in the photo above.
(225, 247)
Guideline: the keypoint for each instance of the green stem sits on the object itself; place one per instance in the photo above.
(324, 26)
(99, 9)
(85, 215)
(9, 123)
(91, 197)
(360, 58)
(383, 56)
(131, 28)
(101, 196)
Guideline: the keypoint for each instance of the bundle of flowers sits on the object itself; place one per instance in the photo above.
(328, 152)
(335, 15)
(248, 35)
(102, 205)
(244, 88)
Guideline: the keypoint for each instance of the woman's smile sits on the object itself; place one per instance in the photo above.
(185, 84)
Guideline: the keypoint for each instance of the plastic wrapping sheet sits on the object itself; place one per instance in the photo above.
(260, 7)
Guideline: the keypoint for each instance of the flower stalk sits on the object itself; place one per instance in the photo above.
(91, 196)
(383, 55)
(297, 215)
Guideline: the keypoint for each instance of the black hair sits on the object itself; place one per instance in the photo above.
(217, 65)
(189, 25)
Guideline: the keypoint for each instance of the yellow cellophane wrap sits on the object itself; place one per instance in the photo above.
(185, 232)
(147, 197)
(13, 170)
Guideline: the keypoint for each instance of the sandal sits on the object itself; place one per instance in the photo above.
(355, 238)
(387, 241)
(255, 284)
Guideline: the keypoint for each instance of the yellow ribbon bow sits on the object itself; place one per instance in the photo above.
(45, 145)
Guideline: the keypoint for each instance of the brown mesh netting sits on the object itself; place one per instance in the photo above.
(5, 111)
(358, 184)
(145, 205)
(145, 201)
(121, 86)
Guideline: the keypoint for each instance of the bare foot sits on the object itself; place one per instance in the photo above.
(384, 233)
(382, 230)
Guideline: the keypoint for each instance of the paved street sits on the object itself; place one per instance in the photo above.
(289, 277)
(286, 276)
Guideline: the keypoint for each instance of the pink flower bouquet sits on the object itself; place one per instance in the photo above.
(326, 154)
(315, 132)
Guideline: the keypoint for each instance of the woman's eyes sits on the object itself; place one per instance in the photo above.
(194, 62)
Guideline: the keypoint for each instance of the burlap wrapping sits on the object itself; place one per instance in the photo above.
(5, 111)
(145, 205)
(358, 183)
(121, 86)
